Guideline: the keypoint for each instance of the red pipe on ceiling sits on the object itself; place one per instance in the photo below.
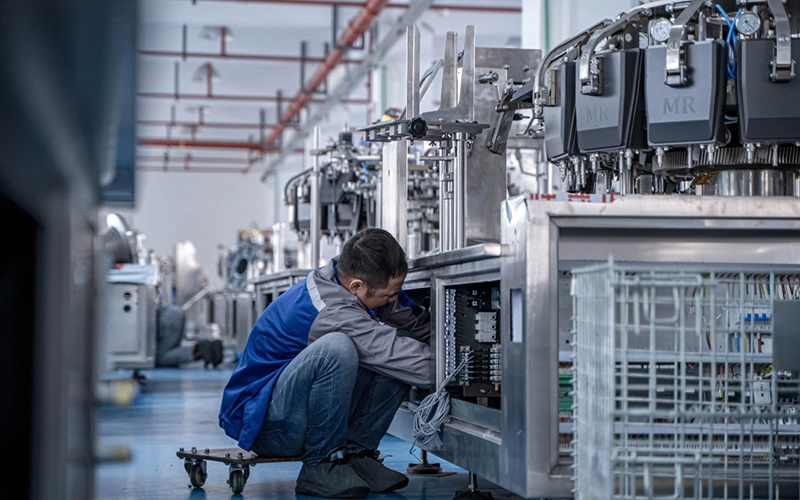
(220, 97)
(243, 57)
(190, 158)
(168, 123)
(206, 170)
(181, 143)
(350, 3)
(357, 27)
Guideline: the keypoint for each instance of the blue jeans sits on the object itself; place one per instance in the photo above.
(323, 401)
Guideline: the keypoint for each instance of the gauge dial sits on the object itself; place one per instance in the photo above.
(747, 23)
(659, 29)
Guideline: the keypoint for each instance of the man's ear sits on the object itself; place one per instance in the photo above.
(355, 285)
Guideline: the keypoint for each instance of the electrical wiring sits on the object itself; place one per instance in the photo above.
(730, 40)
(432, 411)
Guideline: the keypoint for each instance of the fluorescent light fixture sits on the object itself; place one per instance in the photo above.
(213, 33)
(203, 72)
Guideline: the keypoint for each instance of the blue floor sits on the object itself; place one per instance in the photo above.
(139, 433)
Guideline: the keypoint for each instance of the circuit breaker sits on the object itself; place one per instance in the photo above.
(471, 329)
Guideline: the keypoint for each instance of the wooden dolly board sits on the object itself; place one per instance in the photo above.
(237, 460)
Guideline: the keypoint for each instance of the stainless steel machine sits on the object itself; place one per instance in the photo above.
(468, 137)
(233, 306)
(342, 194)
(545, 240)
(674, 128)
(128, 321)
(128, 305)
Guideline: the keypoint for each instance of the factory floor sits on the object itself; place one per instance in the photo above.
(142, 424)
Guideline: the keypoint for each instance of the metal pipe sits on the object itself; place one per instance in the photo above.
(205, 124)
(314, 228)
(196, 298)
(219, 97)
(240, 57)
(209, 79)
(204, 170)
(444, 226)
(412, 72)
(190, 158)
(626, 174)
(460, 190)
(179, 143)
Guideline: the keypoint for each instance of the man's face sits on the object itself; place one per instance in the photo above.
(381, 296)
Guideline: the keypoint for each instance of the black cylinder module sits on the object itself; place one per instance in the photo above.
(417, 128)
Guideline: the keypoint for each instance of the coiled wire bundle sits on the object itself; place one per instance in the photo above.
(433, 409)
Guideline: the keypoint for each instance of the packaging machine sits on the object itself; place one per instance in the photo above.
(674, 127)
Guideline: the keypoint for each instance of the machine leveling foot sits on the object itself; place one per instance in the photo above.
(425, 468)
(472, 493)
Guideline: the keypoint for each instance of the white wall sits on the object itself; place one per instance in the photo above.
(205, 208)
(565, 18)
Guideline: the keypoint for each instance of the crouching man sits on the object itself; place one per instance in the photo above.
(326, 367)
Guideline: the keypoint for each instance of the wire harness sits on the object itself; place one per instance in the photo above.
(432, 411)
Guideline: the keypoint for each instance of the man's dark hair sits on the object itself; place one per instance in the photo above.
(374, 256)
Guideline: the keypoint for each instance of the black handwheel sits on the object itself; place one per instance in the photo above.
(236, 481)
(197, 476)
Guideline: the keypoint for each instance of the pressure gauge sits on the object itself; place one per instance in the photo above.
(747, 23)
(659, 29)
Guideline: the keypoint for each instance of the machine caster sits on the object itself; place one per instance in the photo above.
(237, 477)
(237, 460)
(197, 472)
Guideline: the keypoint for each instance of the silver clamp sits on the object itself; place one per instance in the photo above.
(590, 68)
(568, 50)
(675, 68)
(782, 65)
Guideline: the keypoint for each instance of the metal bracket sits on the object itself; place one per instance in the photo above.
(464, 109)
(303, 56)
(498, 137)
(567, 50)
(675, 69)
(335, 35)
(590, 68)
(386, 131)
(279, 112)
(782, 65)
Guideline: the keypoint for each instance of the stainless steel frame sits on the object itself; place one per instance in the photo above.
(543, 239)
(517, 447)
(471, 438)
